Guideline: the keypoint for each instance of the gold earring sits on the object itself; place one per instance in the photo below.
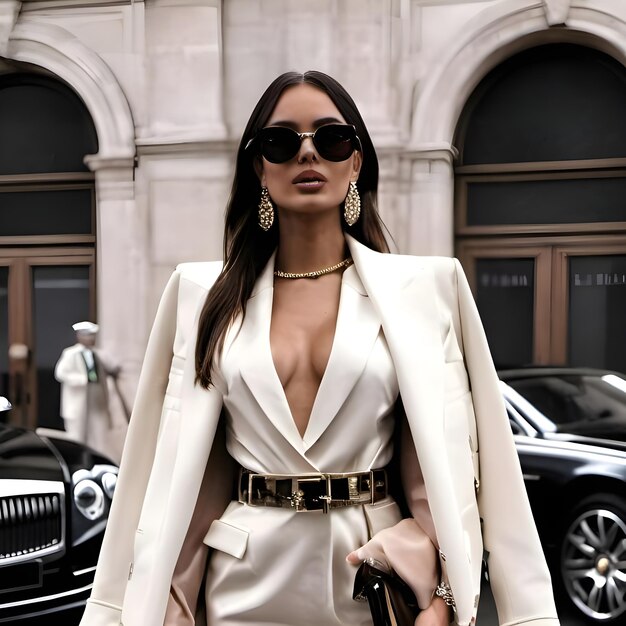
(352, 205)
(266, 210)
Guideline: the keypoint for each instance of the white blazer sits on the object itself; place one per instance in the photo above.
(454, 408)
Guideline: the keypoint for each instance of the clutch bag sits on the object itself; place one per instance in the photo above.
(391, 600)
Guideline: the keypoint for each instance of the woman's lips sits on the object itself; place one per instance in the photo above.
(309, 180)
(311, 185)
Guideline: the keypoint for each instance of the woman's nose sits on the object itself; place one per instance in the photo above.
(307, 151)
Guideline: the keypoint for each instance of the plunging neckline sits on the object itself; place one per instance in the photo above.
(329, 362)
(356, 330)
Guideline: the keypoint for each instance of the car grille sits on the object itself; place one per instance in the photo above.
(31, 519)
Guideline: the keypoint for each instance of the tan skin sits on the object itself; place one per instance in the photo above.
(304, 312)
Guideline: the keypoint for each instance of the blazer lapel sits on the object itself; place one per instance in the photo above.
(257, 367)
(403, 291)
(358, 326)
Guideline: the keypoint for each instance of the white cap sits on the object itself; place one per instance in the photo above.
(88, 328)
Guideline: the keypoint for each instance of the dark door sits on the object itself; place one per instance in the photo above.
(540, 210)
(44, 291)
(47, 238)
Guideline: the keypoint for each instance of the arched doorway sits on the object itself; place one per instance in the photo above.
(47, 237)
(540, 206)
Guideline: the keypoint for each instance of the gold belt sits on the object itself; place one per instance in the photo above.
(312, 492)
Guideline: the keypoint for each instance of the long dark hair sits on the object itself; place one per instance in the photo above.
(246, 247)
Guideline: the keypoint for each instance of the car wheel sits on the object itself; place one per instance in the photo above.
(593, 558)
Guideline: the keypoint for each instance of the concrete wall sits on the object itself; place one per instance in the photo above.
(170, 85)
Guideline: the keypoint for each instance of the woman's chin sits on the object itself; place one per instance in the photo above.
(310, 212)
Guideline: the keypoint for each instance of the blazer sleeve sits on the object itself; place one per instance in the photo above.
(216, 492)
(519, 577)
(104, 608)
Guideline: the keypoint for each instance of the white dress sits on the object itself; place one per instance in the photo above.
(311, 582)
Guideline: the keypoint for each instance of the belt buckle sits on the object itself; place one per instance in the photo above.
(378, 484)
(298, 496)
(253, 493)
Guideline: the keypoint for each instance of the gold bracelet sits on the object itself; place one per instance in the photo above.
(444, 591)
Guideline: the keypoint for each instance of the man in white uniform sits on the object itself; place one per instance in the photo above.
(82, 371)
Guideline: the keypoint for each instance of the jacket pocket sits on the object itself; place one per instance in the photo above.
(227, 538)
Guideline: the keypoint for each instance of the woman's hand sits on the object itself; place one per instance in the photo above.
(438, 613)
(371, 550)
(408, 550)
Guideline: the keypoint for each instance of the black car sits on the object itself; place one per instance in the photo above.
(570, 431)
(55, 496)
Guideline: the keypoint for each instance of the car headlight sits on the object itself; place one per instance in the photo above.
(91, 493)
(109, 480)
(89, 499)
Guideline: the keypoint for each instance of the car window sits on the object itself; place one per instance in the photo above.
(593, 406)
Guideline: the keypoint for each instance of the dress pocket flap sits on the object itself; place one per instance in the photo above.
(382, 515)
(227, 538)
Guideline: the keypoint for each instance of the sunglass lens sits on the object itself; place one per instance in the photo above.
(335, 142)
(279, 144)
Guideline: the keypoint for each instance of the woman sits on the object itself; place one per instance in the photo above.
(304, 343)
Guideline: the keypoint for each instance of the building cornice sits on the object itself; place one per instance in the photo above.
(38, 5)
(440, 151)
(97, 163)
(185, 147)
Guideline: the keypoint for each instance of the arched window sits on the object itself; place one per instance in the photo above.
(540, 200)
(47, 237)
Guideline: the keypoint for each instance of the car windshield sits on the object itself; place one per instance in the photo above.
(587, 405)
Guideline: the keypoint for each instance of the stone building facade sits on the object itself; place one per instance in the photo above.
(169, 85)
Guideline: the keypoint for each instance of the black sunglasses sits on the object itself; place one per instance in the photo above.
(333, 142)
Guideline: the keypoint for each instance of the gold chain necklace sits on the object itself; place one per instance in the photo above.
(315, 274)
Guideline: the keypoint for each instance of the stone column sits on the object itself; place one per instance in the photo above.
(120, 267)
(430, 223)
